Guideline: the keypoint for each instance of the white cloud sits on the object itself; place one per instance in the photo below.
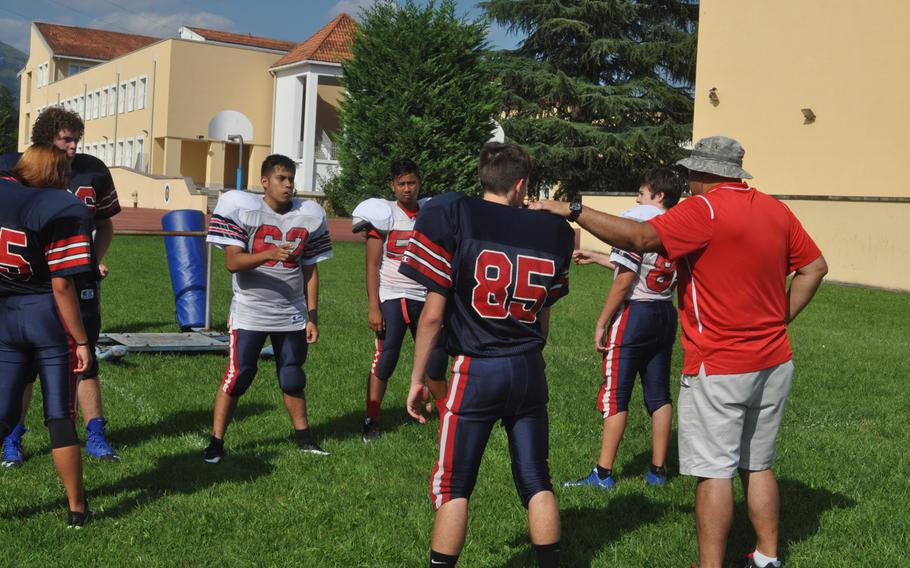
(352, 7)
(160, 25)
(15, 32)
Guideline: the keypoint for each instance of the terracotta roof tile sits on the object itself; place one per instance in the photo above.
(331, 44)
(244, 39)
(90, 43)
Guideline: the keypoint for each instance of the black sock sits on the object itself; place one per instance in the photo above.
(217, 441)
(603, 472)
(659, 470)
(303, 436)
(547, 555)
(438, 559)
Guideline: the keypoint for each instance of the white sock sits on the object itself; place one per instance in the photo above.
(764, 561)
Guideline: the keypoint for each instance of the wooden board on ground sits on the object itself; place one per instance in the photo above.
(167, 342)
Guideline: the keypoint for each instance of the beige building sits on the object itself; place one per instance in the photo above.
(179, 107)
(817, 94)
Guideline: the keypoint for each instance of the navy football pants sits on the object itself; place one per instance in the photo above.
(243, 358)
(481, 392)
(400, 315)
(33, 339)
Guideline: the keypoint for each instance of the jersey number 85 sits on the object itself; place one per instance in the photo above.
(502, 289)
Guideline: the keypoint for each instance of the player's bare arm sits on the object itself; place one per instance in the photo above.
(311, 281)
(236, 259)
(623, 282)
(584, 256)
(622, 233)
(373, 262)
(803, 286)
(428, 329)
(104, 234)
(68, 306)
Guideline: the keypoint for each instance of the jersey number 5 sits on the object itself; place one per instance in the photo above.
(12, 265)
(493, 277)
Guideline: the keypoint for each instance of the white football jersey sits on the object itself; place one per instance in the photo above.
(393, 284)
(272, 296)
(656, 274)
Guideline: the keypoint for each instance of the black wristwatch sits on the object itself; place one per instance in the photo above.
(574, 211)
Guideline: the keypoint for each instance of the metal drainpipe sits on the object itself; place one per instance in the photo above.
(116, 117)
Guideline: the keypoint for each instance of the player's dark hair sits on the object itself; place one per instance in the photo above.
(277, 161)
(501, 165)
(402, 167)
(51, 121)
(666, 181)
(43, 165)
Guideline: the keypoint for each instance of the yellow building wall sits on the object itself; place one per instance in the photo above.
(155, 192)
(768, 60)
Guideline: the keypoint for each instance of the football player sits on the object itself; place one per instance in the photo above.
(635, 332)
(91, 182)
(395, 300)
(492, 271)
(272, 243)
(45, 236)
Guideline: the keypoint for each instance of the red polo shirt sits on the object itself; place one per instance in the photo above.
(734, 248)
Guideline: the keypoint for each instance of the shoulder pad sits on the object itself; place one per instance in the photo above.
(373, 212)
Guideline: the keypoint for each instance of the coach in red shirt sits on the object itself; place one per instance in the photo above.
(734, 248)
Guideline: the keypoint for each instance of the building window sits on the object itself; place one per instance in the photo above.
(128, 153)
(118, 157)
(43, 74)
(140, 157)
(102, 152)
(121, 99)
(88, 105)
(27, 128)
(140, 93)
(95, 104)
(73, 68)
(80, 106)
(131, 96)
(110, 154)
(28, 87)
(104, 102)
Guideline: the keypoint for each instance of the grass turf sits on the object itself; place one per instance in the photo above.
(844, 456)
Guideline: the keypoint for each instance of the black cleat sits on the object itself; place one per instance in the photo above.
(370, 430)
(76, 519)
(214, 452)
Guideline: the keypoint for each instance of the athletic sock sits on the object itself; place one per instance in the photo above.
(217, 441)
(373, 410)
(547, 555)
(603, 472)
(763, 561)
(659, 470)
(440, 560)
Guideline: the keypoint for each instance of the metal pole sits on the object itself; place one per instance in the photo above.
(208, 287)
(240, 166)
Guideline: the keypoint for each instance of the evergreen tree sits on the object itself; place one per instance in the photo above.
(417, 88)
(598, 91)
(9, 121)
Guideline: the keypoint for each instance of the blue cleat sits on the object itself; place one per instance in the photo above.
(656, 478)
(96, 443)
(12, 447)
(594, 481)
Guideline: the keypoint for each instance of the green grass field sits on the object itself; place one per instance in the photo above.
(844, 451)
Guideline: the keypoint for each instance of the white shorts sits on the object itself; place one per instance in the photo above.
(730, 422)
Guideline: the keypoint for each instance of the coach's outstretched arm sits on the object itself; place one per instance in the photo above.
(616, 231)
(428, 328)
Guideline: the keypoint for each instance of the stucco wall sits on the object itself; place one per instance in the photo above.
(136, 190)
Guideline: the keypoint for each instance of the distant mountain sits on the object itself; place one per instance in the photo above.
(11, 62)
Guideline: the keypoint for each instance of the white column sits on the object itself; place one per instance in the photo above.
(309, 131)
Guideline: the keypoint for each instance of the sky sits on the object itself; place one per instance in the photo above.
(293, 20)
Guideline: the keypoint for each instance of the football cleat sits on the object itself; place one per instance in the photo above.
(656, 478)
(370, 430)
(593, 480)
(96, 444)
(214, 453)
(13, 456)
(749, 562)
(76, 520)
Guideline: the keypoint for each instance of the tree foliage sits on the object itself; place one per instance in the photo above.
(598, 91)
(418, 87)
(9, 121)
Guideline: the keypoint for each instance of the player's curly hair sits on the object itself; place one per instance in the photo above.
(42, 166)
(51, 121)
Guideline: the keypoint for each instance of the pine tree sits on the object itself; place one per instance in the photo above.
(417, 88)
(598, 91)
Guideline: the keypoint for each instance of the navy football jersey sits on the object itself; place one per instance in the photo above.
(44, 233)
(497, 265)
(91, 182)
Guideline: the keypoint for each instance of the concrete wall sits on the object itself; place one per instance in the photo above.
(843, 60)
(137, 190)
